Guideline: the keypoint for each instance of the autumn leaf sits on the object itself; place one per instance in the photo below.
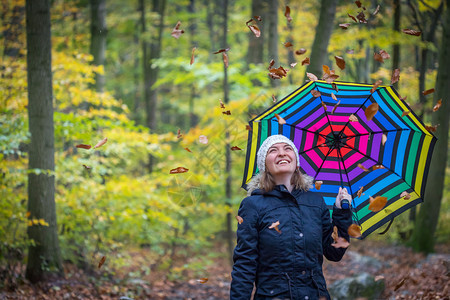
(335, 87)
(288, 44)
(203, 139)
(377, 167)
(227, 112)
(257, 18)
(384, 54)
(202, 280)
(188, 150)
(399, 285)
(438, 105)
(192, 56)
(280, 72)
(305, 61)
(405, 113)
(359, 193)
(395, 76)
(363, 168)
(311, 76)
(431, 128)
(358, 3)
(334, 97)
(256, 31)
(334, 108)
(378, 277)
(316, 93)
(318, 184)
(27, 214)
(293, 65)
(377, 203)
(335, 234)
(326, 69)
(344, 25)
(273, 98)
(371, 110)
(350, 51)
(221, 50)
(353, 18)
(300, 51)
(102, 261)
(353, 118)
(234, 148)
(248, 127)
(330, 78)
(179, 170)
(354, 231)
(340, 62)
(361, 17)
(225, 59)
(427, 92)
(101, 143)
(378, 57)
(87, 167)
(271, 63)
(287, 13)
(375, 86)
(383, 139)
(83, 146)
(281, 121)
(324, 106)
(239, 219)
(176, 32)
(412, 32)
(406, 195)
(221, 104)
(275, 226)
(179, 135)
(341, 243)
(376, 10)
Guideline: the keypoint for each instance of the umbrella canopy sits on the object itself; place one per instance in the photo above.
(352, 135)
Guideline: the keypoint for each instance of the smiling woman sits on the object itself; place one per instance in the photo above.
(285, 230)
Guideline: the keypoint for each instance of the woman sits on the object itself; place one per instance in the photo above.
(284, 260)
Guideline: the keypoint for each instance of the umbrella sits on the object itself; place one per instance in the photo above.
(342, 144)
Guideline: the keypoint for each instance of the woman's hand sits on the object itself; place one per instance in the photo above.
(343, 194)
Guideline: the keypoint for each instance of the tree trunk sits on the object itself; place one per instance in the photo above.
(324, 29)
(255, 54)
(423, 237)
(193, 31)
(396, 46)
(98, 39)
(44, 257)
(272, 27)
(13, 29)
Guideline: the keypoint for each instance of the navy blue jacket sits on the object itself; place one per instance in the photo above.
(286, 265)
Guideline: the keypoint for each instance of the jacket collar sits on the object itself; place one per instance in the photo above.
(254, 187)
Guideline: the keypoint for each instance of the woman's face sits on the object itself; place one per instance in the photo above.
(281, 160)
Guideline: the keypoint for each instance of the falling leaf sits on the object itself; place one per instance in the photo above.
(438, 105)
(375, 86)
(361, 17)
(335, 87)
(293, 65)
(176, 32)
(316, 93)
(353, 118)
(234, 148)
(288, 44)
(311, 76)
(405, 113)
(383, 139)
(273, 98)
(202, 280)
(188, 150)
(83, 146)
(354, 231)
(35, 221)
(87, 167)
(249, 21)
(334, 108)
(258, 18)
(43, 223)
(192, 56)
(340, 62)
(275, 226)
(324, 106)
(376, 10)
(305, 61)
(333, 96)
(27, 214)
(377, 203)
(221, 104)
(431, 128)
(378, 57)
(271, 63)
(287, 13)
(344, 25)
(384, 54)
(378, 167)
(248, 127)
(395, 76)
(281, 121)
(412, 32)
(359, 193)
(406, 195)
(326, 69)
(239, 219)
(353, 18)
(179, 135)
(318, 184)
(371, 110)
(277, 73)
(226, 112)
(341, 243)
(256, 31)
(300, 51)
(363, 168)
(427, 92)
(225, 59)
(102, 261)
(358, 3)
(330, 78)
(101, 143)
(179, 170)
(203, 139)
(221, 50)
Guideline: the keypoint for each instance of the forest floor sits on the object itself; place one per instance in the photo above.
(407, 275)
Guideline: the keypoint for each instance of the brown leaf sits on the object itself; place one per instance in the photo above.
(188, 150)
(324, 106)
(287, 13)
(341, 243)
(280, 71)
(271, 63)
(226, 112)
(179, 135)
(377, 167)
(395, 76)
(305, 61)
(202, 280)
(376, 10)
(335, 234)
(427, 92)
(316, 94)
(179, 170)
(101, 143)
(340, 62)
(377, 203)
(406, 195)
(353, 118)
(378, 57)
(438, 105)
(358, 3)
(255, 30)
(192, 56)
(383, 139)
(248, 127)
(293, 64)
(318, 184)
(225, 59)
(353, 18)
(176, 32)
(221, 104)
(344, 25)
(239, 219)
(334, 108)
(203, 139)
(375, 86)
(334, 97)
(412, 32)
(258, 18)
(87, 167)
(275, 226)
(330, 78)
(311, 76)
(83, 146)
(326, 69)
(273, 98)
(431, 128)
(249, 21)
(300, 51)
(399, 285)
(361, 17)
(371, 110)
(359, 193)
(281, 121)
(335, 87)
(384, 54)
(102, 261)
(354, 231)
(221, 50)
(234, 148)
(363, 168)
(288, 44)
(405, 113)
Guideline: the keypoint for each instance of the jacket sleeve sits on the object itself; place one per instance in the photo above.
(245, 255)
(342, 219)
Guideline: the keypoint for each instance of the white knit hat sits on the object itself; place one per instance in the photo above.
(271, 140)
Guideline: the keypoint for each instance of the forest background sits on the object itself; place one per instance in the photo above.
(122, 70)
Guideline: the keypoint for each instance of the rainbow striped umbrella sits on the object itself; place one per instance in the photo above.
(340, 146)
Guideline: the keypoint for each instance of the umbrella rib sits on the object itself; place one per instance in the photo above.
(355, 113)
(323, 161)
(304, 129)
(374, 132)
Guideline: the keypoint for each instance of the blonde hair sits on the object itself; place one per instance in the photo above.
(267, 182)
